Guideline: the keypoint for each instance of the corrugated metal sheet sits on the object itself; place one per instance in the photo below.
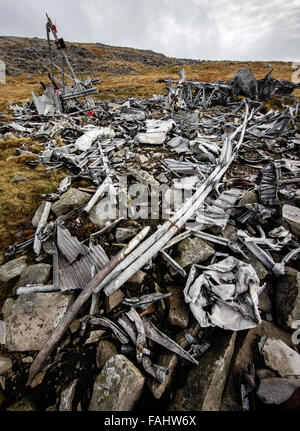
(79, 273)
(68, 245)
(70, 270)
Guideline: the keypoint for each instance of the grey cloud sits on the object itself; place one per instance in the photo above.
(210, 29)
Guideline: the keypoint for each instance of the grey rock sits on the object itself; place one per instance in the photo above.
(193, 250)
(70, 200)
(5, 364)
(102, 212)
(287, 298)
(249, 198)
(276, 390)
(281, 358)
(8, 136)
(113, 300)
(142, 159)
(291, 215)
(12, 269)
(18, 179)
(265, 300)
(34, 274)
(244, 84)
(31, 319)
(143, 177)
(205, 383)
(178, 312)
(162, 178)
(106, 349)
(117, 387)
(38, 214)
(265, 373)
(48, 247)
(260, 269)
(95, 336)
(124, 233)
(138, 277)
(66, 397)
(167, 360)
(231, 398)
(24, 405)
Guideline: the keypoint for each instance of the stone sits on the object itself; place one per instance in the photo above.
(5, 364)
(287, 298)
(66, 397)
(193, 250)
(142, 159)
(249, 198)
(12, 269)
(113, 300)
(7, 136)
(38, 379)
(94, 336)
(138, 277)
(34, 274)
(102, 212)
(162, 178)
(106, 349)
(75, 326)
(124, 233)
(260, 269)
(18, 179)
(281, 358)
(70, 200)
(265, 302)
(291, 215)
(276, 390)
(117, 387)
(38, 214)
(265, 373)
(167, 360)
(231, 398)
(204, 384)
(31, 319)
(143, 177)
(24, 405)
(48, 247)
(178, 311)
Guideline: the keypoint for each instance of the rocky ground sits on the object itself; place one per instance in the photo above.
(29, 56)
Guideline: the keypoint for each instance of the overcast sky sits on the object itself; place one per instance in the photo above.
(200, 29)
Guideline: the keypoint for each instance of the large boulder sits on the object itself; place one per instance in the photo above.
(117, 387)
(12, 269)
(31, 319)
(193, 250)
(70, 200)
(287, 298)
(231, 397)
(205, 383)
(34, 274)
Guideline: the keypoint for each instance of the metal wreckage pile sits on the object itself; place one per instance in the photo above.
(158, 320)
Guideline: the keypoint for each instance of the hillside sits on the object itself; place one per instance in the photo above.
(30, 56)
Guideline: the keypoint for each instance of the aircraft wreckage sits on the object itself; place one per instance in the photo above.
(200, 269)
